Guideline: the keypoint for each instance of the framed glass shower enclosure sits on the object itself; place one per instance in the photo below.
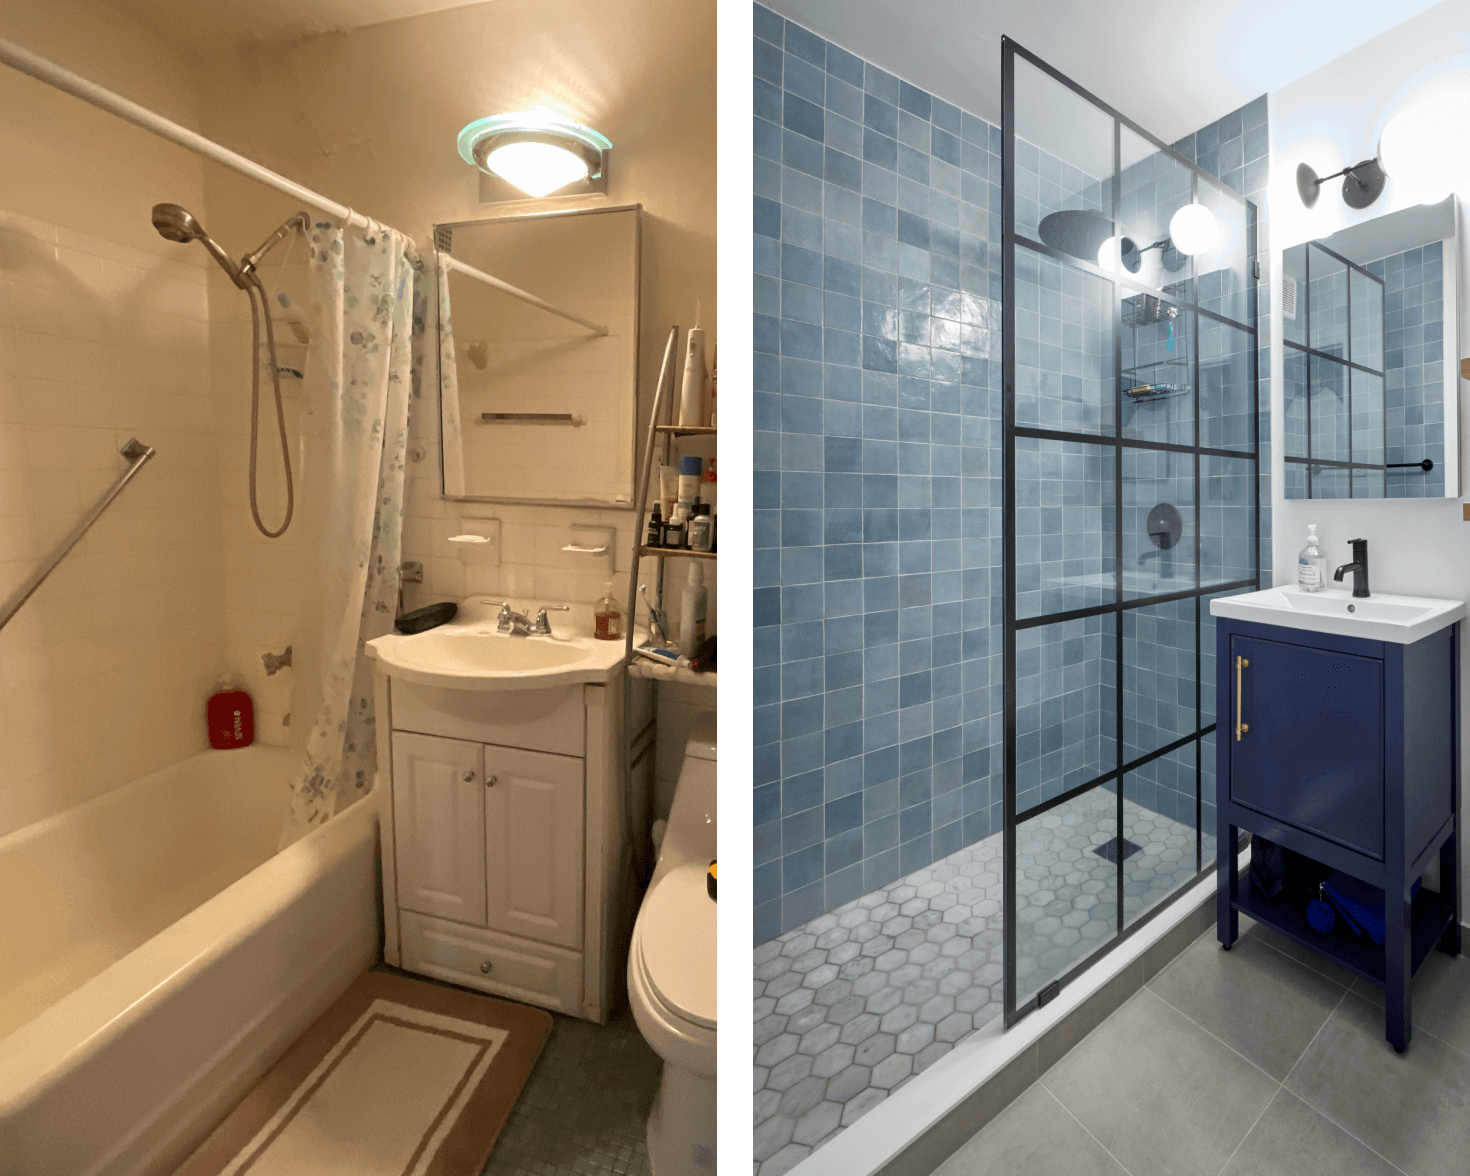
(1131, 498)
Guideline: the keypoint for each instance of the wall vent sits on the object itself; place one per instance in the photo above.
(1288, 298)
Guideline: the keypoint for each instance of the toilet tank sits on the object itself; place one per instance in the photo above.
(693, 831)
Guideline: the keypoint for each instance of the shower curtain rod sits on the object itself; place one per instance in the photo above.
(43, 70)
(469, 271)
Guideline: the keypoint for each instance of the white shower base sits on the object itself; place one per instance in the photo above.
(159, 955)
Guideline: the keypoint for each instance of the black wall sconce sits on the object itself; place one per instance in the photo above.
(1362, 183)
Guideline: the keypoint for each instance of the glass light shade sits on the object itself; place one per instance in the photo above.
(536, 168)
(1415, 151)
(1107, 254)
(1194, 230)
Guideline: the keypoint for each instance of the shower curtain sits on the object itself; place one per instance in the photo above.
(364, 287)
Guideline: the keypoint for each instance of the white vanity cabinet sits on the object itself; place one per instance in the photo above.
(504, 866)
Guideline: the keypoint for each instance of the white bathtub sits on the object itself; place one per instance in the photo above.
(157, 955)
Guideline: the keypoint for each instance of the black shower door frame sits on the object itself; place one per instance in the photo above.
(1121, 286)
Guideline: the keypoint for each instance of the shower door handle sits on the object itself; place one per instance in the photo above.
(1240, 728)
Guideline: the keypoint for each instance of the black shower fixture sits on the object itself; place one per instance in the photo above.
(1362, 183)
(1080, 233)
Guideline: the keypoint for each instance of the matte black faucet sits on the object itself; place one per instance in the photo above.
(1359, 567)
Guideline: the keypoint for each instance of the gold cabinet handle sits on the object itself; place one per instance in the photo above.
(1240, 728)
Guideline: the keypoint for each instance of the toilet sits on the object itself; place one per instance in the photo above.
(671, 969)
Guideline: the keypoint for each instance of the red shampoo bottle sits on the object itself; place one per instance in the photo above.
(231, 719)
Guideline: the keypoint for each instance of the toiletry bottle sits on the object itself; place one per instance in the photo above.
(692, 605)
(655, 536)
(607, 617)
(701, 530)
(1311, 564)
(691, 398)
(691, 470)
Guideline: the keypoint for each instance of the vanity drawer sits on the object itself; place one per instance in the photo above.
(518, 968)
(538, 720)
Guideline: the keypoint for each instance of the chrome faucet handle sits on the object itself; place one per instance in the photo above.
(543, 622)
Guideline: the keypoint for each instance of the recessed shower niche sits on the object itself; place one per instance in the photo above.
(1370, 383)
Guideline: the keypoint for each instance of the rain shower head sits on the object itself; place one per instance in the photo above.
(175, 223)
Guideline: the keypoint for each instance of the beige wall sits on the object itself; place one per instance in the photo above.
(103, 335)
(369, 118)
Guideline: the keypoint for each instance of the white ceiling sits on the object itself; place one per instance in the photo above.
(222, 24)
(1170, 65)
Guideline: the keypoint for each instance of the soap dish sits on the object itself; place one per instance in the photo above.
(423, 619)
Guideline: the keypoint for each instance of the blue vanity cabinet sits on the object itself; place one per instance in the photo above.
(1344, 750)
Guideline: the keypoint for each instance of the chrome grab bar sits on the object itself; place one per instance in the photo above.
(137, 453)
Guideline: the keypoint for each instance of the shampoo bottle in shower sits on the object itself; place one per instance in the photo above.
(1311, 564)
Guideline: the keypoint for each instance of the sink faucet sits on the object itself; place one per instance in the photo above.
(542, 624)
(1359, 567)
(510, 621)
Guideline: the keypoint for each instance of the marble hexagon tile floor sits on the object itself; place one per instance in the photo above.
(855, 1003)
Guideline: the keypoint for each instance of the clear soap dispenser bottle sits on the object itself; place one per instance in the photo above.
(1311, 564)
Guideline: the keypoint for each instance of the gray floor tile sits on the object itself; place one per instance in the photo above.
(1441, 998)
(1291, 1139)
(1262, 1003)
(1411, 1109)
(1249, 928)
(1160, 1093)
(1034, 1136)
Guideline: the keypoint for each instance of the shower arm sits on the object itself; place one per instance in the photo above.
(298, 223)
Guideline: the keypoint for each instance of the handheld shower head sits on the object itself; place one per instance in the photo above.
(175, 223)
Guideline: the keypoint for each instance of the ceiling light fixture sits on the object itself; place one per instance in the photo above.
(536, 153)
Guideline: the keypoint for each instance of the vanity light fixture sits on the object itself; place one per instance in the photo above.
(1194, 229)
(1362, 183)
(535, 153)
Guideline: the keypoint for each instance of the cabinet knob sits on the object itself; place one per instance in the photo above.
(469, 777)
(485, 967)
(490, 781)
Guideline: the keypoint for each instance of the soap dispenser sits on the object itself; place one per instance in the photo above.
(1311, 564)
(607, 617)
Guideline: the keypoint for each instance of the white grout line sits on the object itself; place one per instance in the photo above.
(1079, 1123)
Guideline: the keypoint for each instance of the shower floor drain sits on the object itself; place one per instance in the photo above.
(1109, 849)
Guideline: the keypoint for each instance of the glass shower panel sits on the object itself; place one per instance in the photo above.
(1225, 285)
(1227, 520)
(1158, 676)
(1159, 842)
(1066, 707)
(1227, 411)
(1130, 477)
(1158, 522)
(1066, 904)
(1063, 163)
(1064, 346)
(1155, 185)
(1065, 558)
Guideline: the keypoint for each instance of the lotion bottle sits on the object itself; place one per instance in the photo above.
(1311, 564)
(693, 604)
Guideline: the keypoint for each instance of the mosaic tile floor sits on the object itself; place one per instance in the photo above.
(584, 1111)
(849, 1007)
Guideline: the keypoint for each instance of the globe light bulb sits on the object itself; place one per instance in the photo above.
(1194, 230)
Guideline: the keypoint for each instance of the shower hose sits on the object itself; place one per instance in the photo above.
(256, 314)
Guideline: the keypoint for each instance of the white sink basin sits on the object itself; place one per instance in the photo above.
(469, 654)
(1379, 617)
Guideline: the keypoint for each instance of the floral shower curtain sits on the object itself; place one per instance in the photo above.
(363, 290)
(450, 425)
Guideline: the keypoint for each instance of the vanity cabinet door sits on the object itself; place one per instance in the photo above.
(438, 821)
(1313, 754)
(533, 844)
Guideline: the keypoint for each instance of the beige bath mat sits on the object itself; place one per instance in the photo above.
(398, 1078)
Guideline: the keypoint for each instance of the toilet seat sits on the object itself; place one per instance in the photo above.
(675, 942)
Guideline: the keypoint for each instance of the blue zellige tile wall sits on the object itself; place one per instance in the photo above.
(877, 467)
